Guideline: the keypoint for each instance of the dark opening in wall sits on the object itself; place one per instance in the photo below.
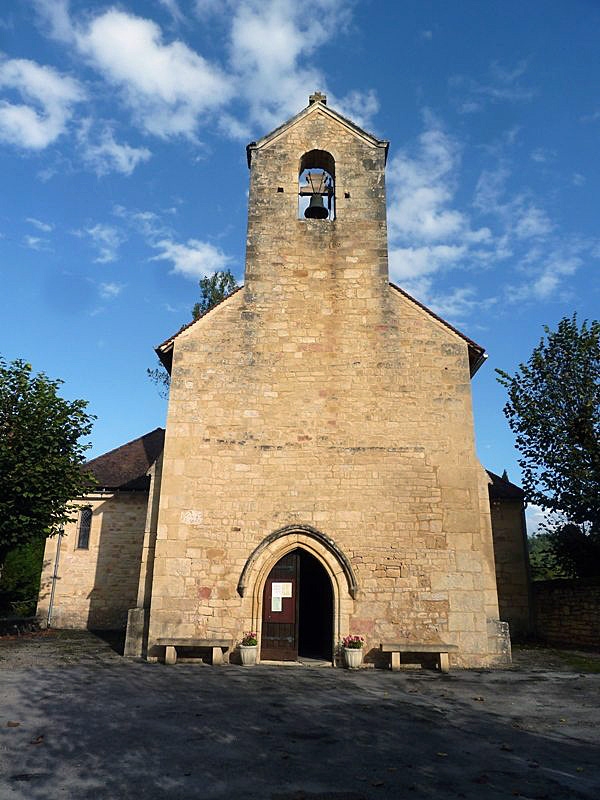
(316, 186)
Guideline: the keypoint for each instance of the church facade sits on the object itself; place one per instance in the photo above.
(318, 475)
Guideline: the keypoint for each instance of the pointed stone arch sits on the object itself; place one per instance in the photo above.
(335, 563)
(323, 543)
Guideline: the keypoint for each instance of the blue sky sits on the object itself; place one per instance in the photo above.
(124, 180)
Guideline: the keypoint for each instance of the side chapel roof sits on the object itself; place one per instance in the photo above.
(502, 489)
(126, 467)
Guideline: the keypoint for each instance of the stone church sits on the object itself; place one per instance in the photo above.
(317, 476)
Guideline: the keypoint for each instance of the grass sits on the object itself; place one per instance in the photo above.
(579, 661)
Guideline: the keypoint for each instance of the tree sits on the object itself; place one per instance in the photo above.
(542, 562)
(553, 409)
(213, 290)
(41, 455)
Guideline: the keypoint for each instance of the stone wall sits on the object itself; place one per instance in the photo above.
(567, 612)
(96, 586)
(321, 397)
(512, 566)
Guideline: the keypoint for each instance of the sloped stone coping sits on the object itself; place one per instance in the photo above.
(313, 533)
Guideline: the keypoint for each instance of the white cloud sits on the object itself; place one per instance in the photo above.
(147, 223)
(595, 115)
(457, 303)
(195, 259)
(504, 85)
(470, 107)
(106, 239)
(172, 6)
(107, 155)
(542, 155)
(192, 259)
(35, 243)
(274, 47)
(45, 227)
(358, 106)
(540, 253)
(532, 222)
(234, 128)
(547, 266)
(519, 213)
(169, 87)
(173, 90)
(204, 8)
(267, 41)
(428, 233)
(109, 291)
(490, 188)
(408, 263)
(421, 189)
(553, 271)
(55, 18)
(47, 108)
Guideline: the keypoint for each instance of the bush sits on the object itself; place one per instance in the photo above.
(20, 581)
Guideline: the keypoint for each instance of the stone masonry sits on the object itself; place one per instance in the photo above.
(320, 398)
(96, 586)
(512, 565)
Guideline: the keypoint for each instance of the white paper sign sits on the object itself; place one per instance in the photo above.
(276, 603)
(281, 589)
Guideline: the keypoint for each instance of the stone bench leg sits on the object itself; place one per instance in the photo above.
(170, 655)
(217, 655)
(395, 662)
(444, 662)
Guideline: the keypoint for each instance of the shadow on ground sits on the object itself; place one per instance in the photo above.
(117, 729)
(114, 639)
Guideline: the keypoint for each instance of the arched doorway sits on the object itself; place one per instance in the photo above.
(297, 610)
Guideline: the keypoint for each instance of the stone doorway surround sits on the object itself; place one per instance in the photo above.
(325, 550)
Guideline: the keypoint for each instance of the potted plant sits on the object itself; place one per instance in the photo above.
(249, 648)
(353, 645)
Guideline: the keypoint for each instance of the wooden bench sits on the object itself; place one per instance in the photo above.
(216, 645)
(440, 649)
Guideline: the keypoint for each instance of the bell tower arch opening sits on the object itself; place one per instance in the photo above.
(316, 186)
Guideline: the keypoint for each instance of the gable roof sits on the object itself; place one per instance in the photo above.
(501, 489)
(126, 467)
(164, 350)
(317, 104)
(477, 354)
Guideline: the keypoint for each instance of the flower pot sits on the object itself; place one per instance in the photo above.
(353, 657)
(248, 653)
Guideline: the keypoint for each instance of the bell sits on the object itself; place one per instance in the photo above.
(316, 209)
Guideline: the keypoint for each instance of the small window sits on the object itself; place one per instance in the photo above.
(316, 188)
(83, 529)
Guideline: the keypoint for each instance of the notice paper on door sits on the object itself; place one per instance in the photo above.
(276, 603)
(281, 589)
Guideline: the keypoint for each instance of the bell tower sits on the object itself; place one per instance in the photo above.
(317, 214)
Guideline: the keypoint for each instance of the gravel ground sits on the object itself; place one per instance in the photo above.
(77, 721)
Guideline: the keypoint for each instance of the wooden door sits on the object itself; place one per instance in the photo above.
(279, 639)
